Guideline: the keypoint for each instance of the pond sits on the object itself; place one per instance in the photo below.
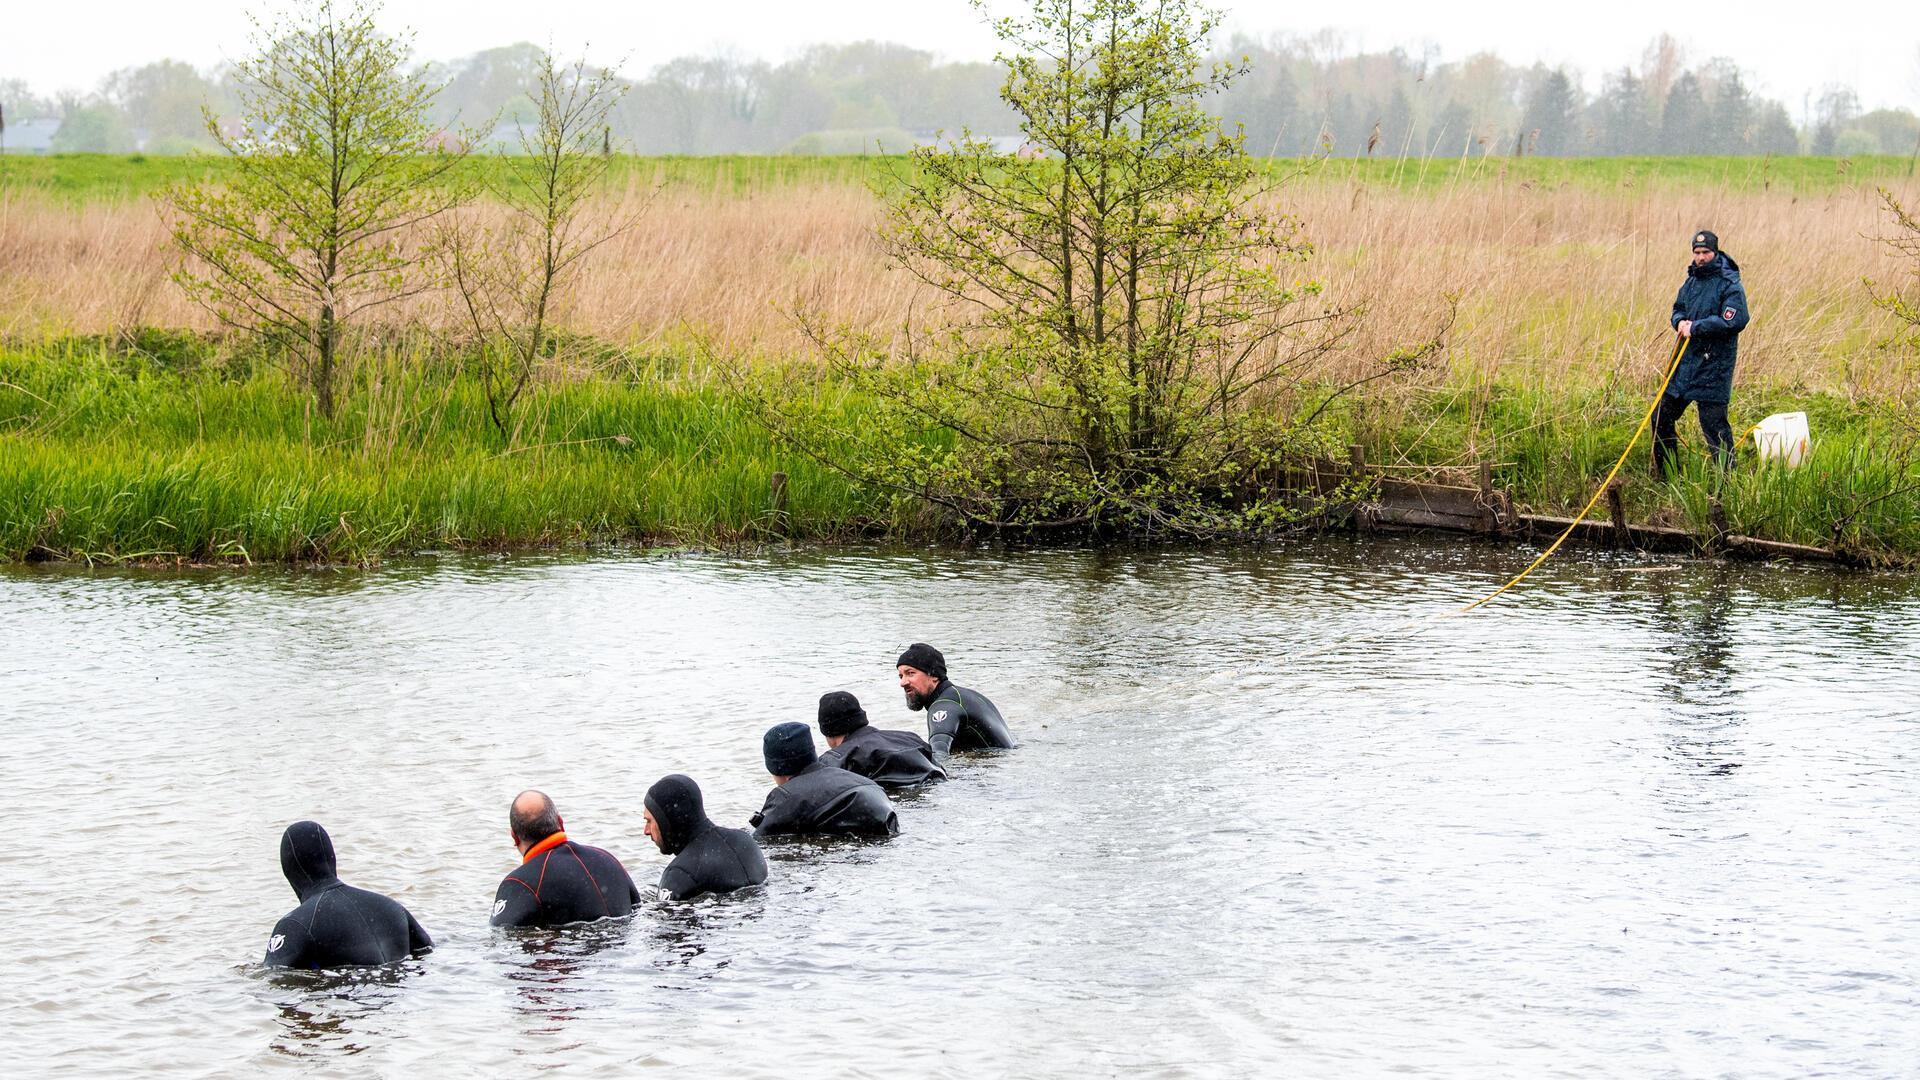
(1636, 819)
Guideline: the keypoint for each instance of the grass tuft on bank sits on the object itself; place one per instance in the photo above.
(160, 448)
(109, 456)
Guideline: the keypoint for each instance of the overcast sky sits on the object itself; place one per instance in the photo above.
(1789, 49)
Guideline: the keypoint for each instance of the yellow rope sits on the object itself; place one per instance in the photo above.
(1587, 509)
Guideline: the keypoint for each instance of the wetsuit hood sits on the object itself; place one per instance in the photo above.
(676, 805)
(306, 857)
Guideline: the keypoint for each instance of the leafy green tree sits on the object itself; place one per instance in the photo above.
(1623, 119)
(96, 128)
(1451, 132)
(1124, 322)
(1833, 113)
(1684, 120)
(163, 101)
(501, 82)
(512, 278)
(1552, 119)
(1732, 127)
(334, 165)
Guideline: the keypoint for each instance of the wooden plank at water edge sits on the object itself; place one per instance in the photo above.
(1435, 498)
(1644, 537)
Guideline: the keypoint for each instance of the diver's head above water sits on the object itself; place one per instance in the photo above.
(532, 819)
(306, 857)
(788, 749)
(921, 669)
(674, 812)
(840, 716)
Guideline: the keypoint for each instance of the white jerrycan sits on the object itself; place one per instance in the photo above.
(1783, 436)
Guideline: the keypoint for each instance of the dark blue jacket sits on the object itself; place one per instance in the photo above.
(1714, 299)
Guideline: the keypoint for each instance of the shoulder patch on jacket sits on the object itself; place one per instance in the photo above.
(1727, 314)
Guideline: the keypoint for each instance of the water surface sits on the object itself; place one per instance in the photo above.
(1633, 821)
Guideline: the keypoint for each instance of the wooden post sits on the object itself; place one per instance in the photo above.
(777, 500)
(1357, 459)
(1489, 513)
(1717, 515)
(1617, 506)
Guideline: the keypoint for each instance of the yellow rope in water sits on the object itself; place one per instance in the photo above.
(1597, 492)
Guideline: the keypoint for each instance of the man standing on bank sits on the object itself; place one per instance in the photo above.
(892, 759)
(1710, 312)
(558, 881)
(957, 718)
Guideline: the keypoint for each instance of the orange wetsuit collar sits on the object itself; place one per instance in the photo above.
(545, 846)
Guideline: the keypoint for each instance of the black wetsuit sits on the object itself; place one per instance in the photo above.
(336, 925)
(892, 759)
(823, 799)
(564, 882)
(963, 719)
(707, 857)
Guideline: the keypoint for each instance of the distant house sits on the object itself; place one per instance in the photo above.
(30, 136)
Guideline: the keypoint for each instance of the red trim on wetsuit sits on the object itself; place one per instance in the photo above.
(544, 846)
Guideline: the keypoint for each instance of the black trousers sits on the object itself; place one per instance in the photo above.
(1713, 424)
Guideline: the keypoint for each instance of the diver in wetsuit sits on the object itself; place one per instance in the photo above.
(892, 759)
(557, 881)
(810, 796)
(957, 718)
(707, 857)
(336, 925)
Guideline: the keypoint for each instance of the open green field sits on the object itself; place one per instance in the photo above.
(88, 177)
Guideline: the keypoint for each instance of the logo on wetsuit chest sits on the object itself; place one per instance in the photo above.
(274, 942)
(498, 907)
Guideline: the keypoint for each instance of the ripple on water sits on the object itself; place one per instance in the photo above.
(1273, 810)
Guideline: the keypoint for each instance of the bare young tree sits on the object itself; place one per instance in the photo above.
(511, 278)
(334, 165)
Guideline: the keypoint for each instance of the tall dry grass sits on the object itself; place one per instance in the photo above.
(1568, 283)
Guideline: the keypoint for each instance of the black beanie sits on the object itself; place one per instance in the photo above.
(841, 714)
(788, 748)
(1705, 239)
(923, 657)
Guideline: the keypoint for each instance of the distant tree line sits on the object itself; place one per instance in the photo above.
(1302, 95)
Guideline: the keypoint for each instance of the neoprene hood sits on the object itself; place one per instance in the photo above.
(306, 857)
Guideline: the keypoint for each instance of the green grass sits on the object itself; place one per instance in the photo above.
(1797, 175)
(110, 457)
(1859, 490)
(107, 177)
(152, 452)
(92, 177)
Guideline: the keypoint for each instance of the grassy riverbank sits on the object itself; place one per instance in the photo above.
(105, 455)
(1565, 270)
(110, 453)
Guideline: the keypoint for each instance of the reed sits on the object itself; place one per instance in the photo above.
(1564, 282)
(110, 458)
(120, 440)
